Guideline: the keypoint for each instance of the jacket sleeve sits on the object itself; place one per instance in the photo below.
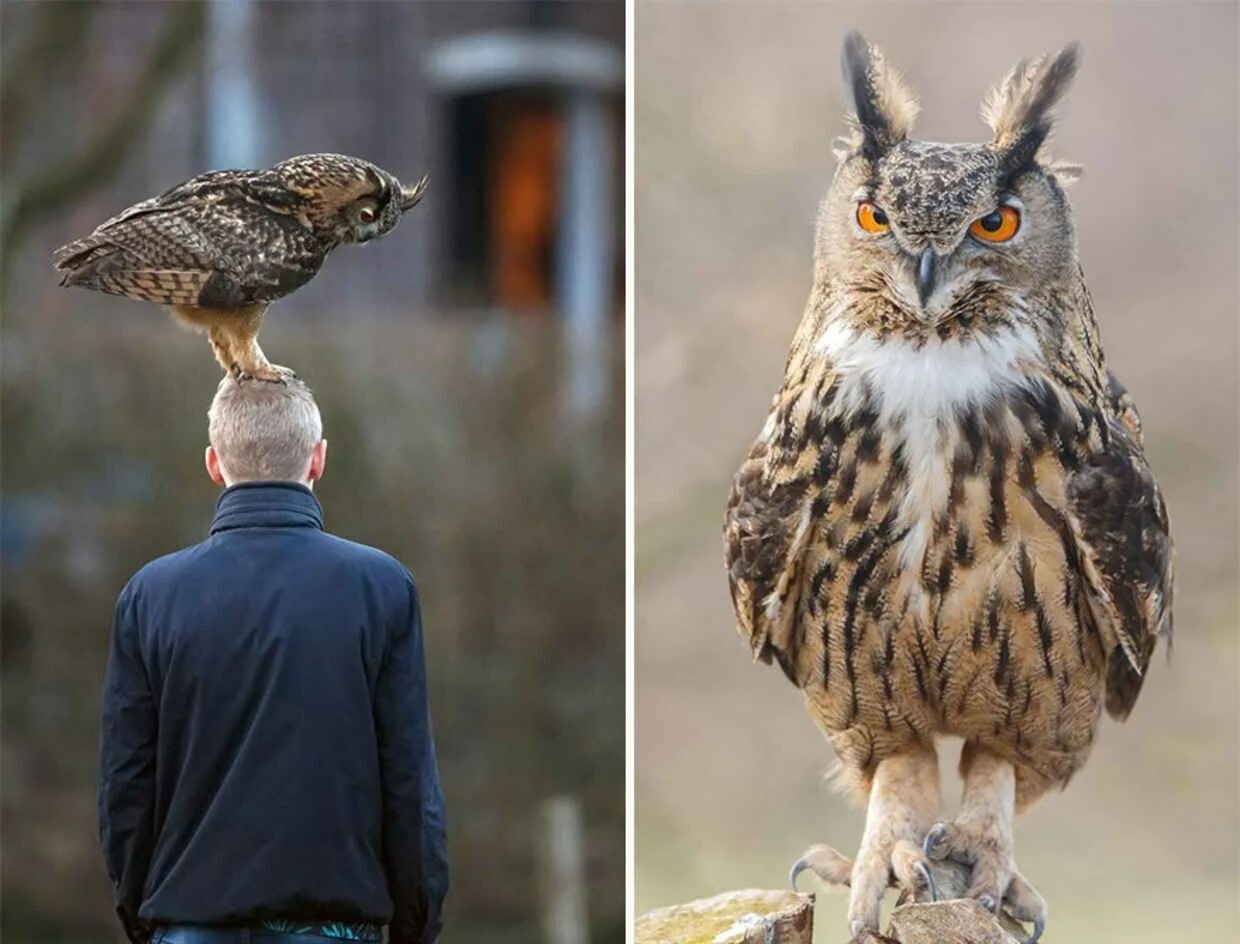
(414, 841)
(127, 769)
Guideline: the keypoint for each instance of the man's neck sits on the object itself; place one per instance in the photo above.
(306, 483)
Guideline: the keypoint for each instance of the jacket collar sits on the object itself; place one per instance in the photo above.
(267, 505)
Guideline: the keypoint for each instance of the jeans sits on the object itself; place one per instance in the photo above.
(200, 934)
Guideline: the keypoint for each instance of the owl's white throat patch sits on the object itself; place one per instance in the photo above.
(917, 390)
(934, 379)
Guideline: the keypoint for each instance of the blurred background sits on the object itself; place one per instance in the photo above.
(468, 368)
(736, 108)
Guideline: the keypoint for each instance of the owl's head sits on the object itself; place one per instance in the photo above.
(376, 214)
(347, 199)
(935, 229)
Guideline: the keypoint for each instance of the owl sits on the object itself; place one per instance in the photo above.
(947, 524)
(219, 248)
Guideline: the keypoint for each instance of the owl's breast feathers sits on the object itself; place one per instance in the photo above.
(224, 239)
(947, 537)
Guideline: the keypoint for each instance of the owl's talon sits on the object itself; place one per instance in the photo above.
(937, 844)
(928, 876)
(910, 873)
(832, 867)
(799, 866)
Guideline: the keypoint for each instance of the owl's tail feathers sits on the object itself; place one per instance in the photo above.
(79, 258)
(103, 267)
(93, 266)
(89, 263)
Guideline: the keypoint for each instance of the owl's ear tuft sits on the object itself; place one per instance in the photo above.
(1020, 108)
(883, 107)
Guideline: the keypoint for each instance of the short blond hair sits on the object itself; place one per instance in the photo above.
(262, 431)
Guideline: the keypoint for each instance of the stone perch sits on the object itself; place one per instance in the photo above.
(742, 917)
(787, 917)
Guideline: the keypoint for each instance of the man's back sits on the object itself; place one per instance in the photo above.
(274, 675)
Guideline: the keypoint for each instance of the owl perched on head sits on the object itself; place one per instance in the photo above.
(220, 247)
(947, 525)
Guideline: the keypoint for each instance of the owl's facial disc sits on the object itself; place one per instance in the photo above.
(942, 278)
(931, 230)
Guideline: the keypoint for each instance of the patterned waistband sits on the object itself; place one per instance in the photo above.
(341, 930)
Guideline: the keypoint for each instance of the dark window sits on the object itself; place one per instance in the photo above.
(506, 153)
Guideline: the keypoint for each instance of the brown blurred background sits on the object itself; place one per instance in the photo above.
(467, 368)
(737, 105)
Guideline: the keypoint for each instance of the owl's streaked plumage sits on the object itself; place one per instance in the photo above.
(222, 246)
(947, 525)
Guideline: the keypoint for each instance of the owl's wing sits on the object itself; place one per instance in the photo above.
(1121, 526)
(767, 525)
(206, 246)
(205, 188)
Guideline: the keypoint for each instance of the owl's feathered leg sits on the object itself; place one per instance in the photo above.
(221, 347)
(248, 357)
(233, 333)
(904, 800)
(981, 837)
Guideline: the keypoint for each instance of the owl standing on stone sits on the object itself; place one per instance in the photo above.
(221, 247)
(947, 525)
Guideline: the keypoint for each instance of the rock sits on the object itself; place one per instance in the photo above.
(958, 922)
(752, 916)
(952, 879)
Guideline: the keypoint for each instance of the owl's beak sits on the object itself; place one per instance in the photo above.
(409, 196)
(925, 276)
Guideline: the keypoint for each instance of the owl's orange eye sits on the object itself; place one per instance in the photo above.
(870, 218)
(997, 227)
(366, 215)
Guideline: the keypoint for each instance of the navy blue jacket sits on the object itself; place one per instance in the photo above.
(266, 745)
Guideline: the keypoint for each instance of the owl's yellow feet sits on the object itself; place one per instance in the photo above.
(985, 846)
(270, 373)
(909, 872)
(902, 866)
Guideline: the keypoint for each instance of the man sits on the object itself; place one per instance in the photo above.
(268, 772)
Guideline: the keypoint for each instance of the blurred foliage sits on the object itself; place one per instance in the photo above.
(448, 449)
(58, 37)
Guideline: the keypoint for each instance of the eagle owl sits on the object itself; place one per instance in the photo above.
(221, 247)
(947, 525)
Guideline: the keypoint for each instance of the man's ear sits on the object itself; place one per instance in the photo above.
(318, 461)
(214, 469)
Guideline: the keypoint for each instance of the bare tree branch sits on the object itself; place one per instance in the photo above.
(63, 183)
(59, 36)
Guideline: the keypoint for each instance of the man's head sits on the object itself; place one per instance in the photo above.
(265, 432)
